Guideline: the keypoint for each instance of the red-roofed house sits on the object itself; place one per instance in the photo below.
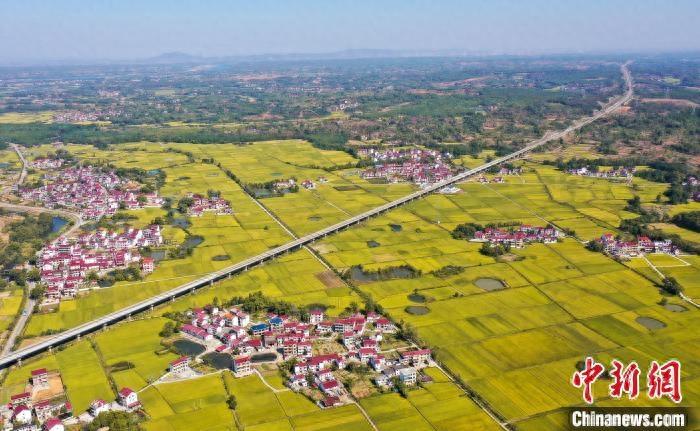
(128, 398)
(53, 424)
(415, 357)
(181, 365)
(40, 379)
(242, 366)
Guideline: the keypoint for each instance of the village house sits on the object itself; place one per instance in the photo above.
(98, 406)
(22, 414)
(242, 366)
(128, 398)
(417, 358)
(53, 424)
(180, 365)
(40, 379)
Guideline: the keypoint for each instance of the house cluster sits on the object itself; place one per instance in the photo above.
(360, 334)
(42, 407)
(78, 117)
(283, 185)
(91, 191)
(201, 204)
(45, 163)
(642, 245)
(127, 400)
(620, 172)
(518, 237)
(65, 263)
(416, 165)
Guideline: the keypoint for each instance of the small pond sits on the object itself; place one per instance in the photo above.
(676, 308)
(396, 227)
(357, 274)
(314, 218)
(221, 257)
(57, 224)
(489, 284)
(372, 244)
(650, 323)
(4, 165)
(263, 357)
(417, 310)
(220, 361)
(417, 297)
(187, 348)
(153, 172)
(181, 222)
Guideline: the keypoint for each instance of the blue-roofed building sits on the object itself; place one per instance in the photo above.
(276, 323)
(258, 328)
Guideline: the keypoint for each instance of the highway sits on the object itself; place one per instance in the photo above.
(246, 264)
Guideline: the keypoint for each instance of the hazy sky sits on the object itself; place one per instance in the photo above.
(125, 29)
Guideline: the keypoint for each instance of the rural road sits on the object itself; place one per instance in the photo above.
(208, 280)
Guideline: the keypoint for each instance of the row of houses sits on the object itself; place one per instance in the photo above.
(642, 245)
(90, 191)
(45, 163)
(64, 264)
(620, 172)
(519, 236)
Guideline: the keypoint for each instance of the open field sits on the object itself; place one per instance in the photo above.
(438, 406)
(561, 302)
(194, 404)
(10, 302)
(28, 117)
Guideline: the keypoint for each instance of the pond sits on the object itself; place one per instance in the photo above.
(187, 348)
(158, 255)
(489, 284)
(417, 310)
(263, 357)
(221, 257)
(57, 224)
(676, 308)
(181, 222)
(314, 218)
(192, 241)
(396, 227)
(417, 297)
(220, 361)
(4, 165)
(153, 172)
(358, 274)
(261, 192)
(650, 323)
(372, 244)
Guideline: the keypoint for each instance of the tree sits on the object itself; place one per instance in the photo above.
(232, 402)
(671, 286)
(168, 330)
(37, 293)
(115, 421)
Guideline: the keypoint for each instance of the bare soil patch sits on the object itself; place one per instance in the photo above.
(330, 279)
